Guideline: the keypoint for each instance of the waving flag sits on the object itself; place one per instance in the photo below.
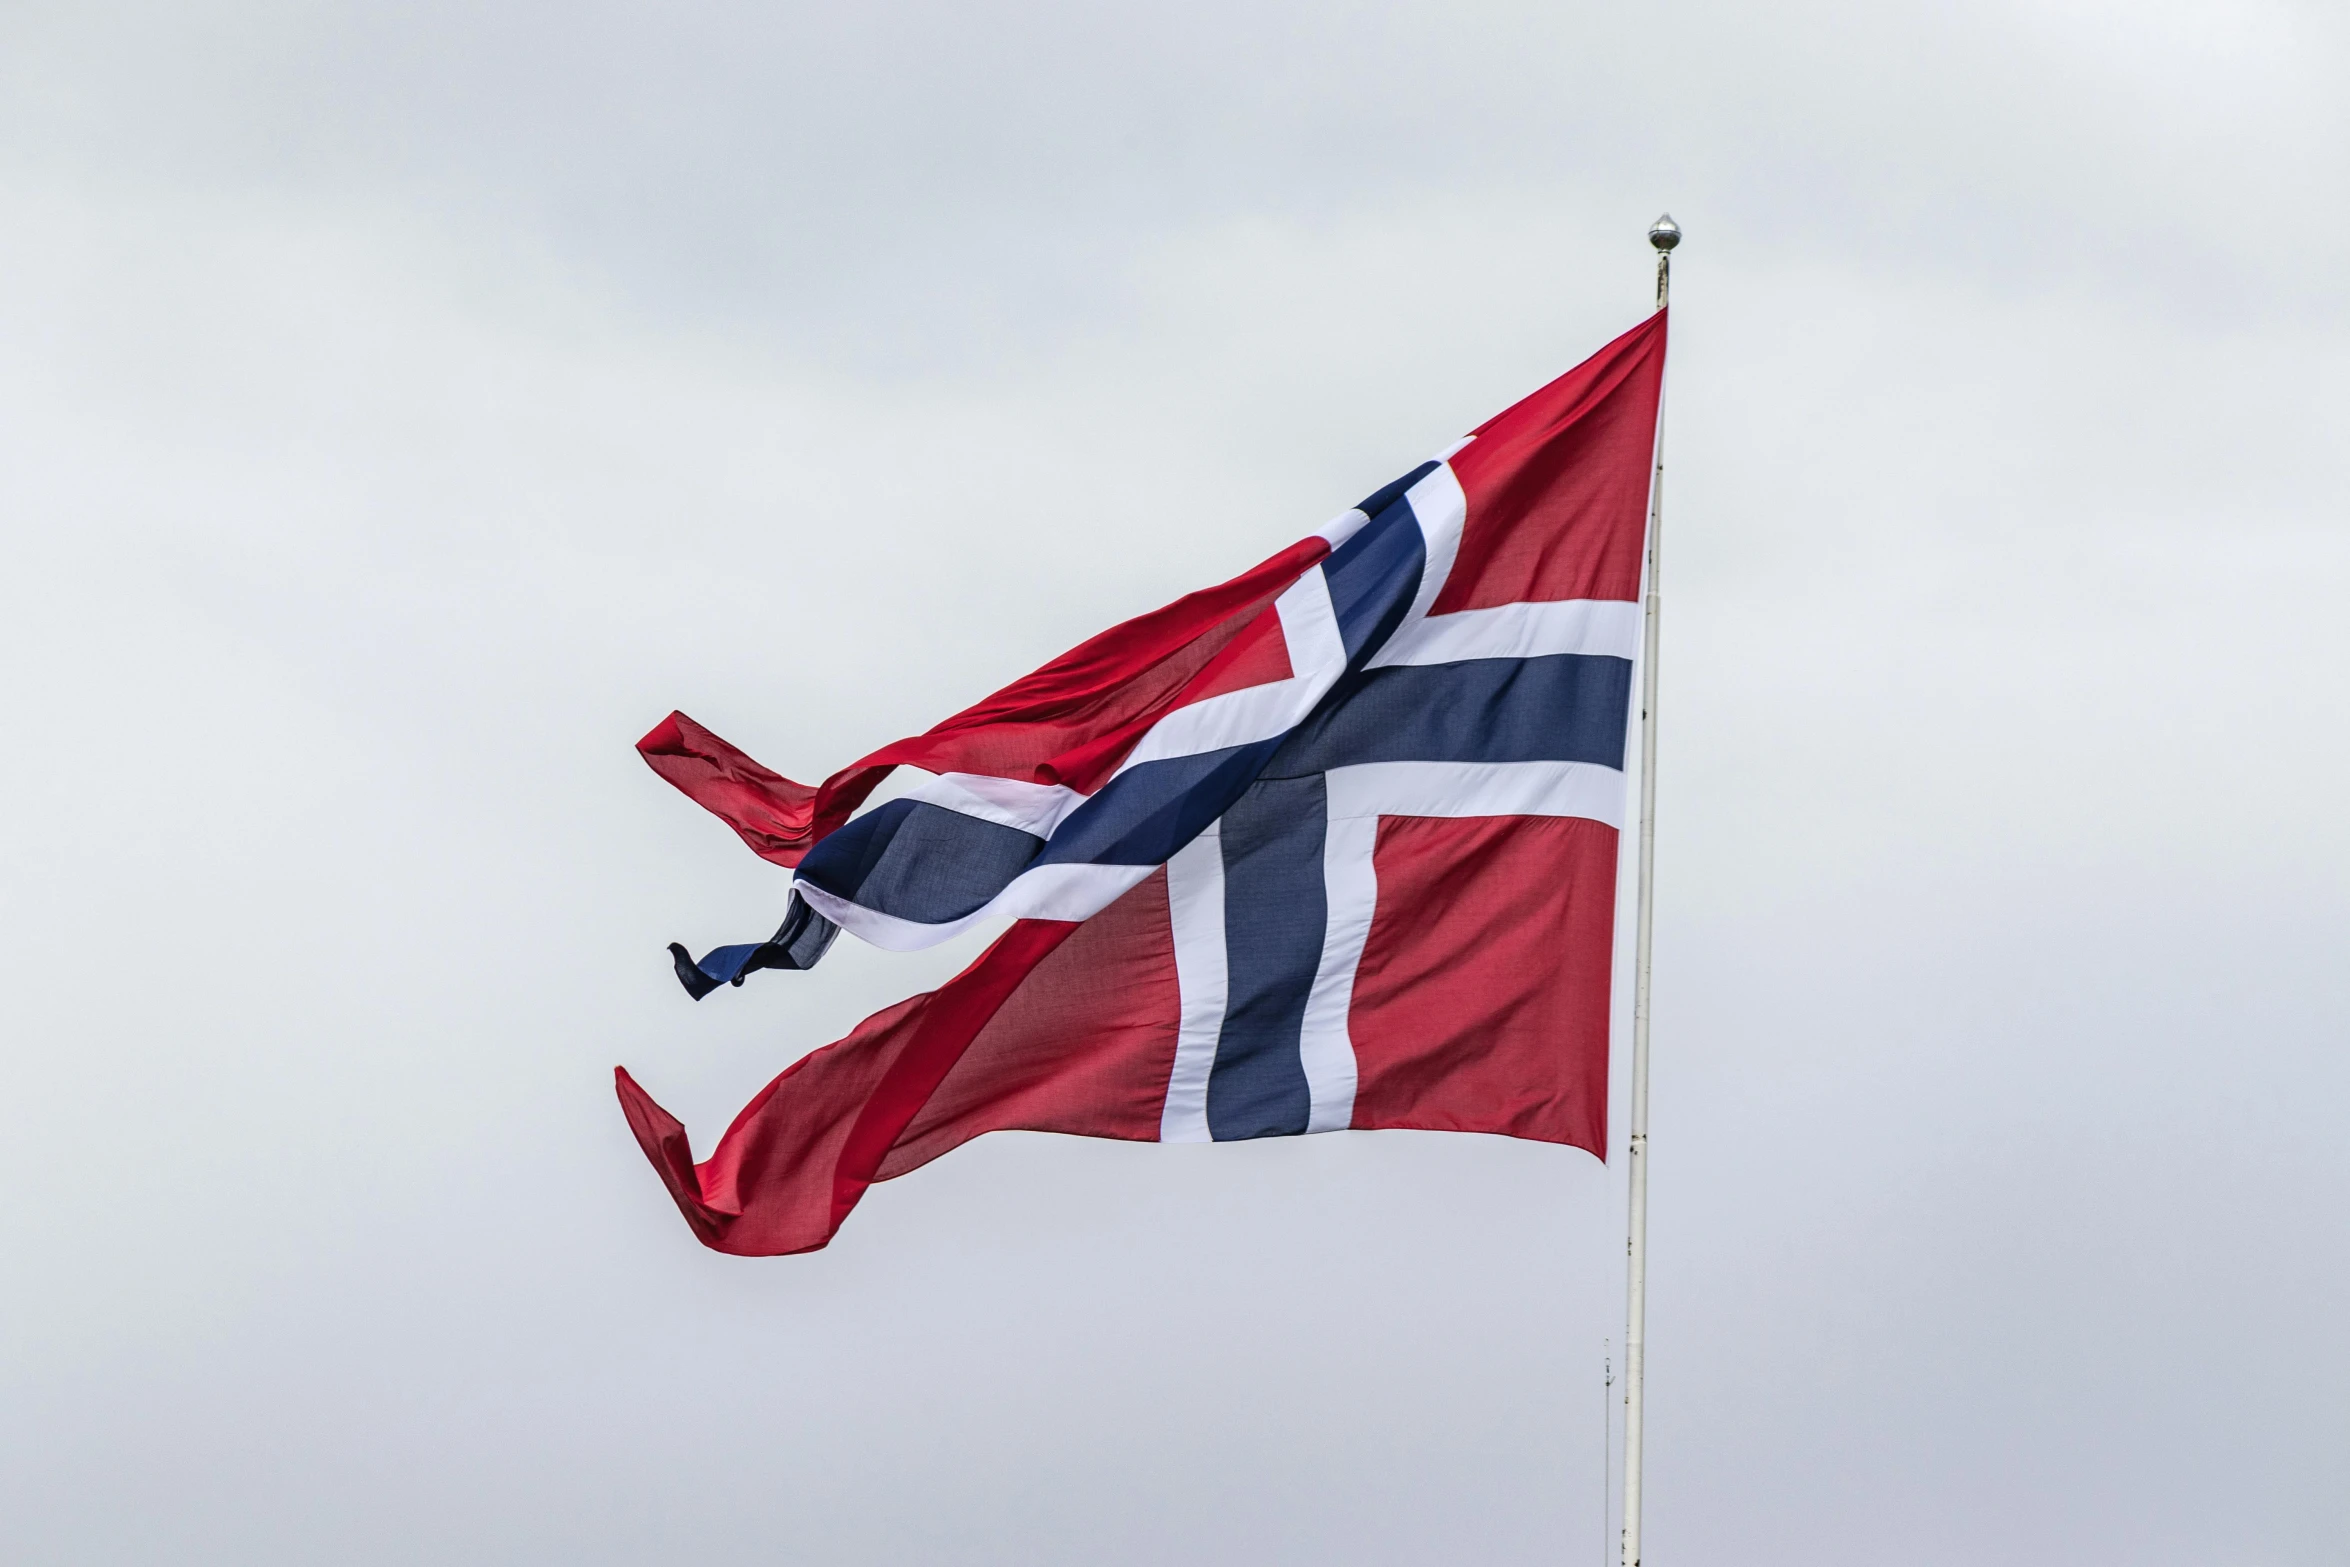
(1330, 845)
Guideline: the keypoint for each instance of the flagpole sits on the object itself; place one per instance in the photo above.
(1663, 234)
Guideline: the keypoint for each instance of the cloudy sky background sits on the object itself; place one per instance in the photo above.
(403, 407)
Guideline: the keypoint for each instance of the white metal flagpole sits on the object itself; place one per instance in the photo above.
(1664, 234)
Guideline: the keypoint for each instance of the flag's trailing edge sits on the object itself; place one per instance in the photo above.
(1330, 845)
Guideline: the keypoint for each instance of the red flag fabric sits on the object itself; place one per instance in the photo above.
(1400, 913)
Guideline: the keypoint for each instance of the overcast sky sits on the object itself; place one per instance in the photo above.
(403, 407)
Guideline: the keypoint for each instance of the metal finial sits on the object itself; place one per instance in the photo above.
(1664, 233)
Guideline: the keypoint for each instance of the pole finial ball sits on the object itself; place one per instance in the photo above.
(1664, 233)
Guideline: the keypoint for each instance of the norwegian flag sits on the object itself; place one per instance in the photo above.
(1331, 845)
